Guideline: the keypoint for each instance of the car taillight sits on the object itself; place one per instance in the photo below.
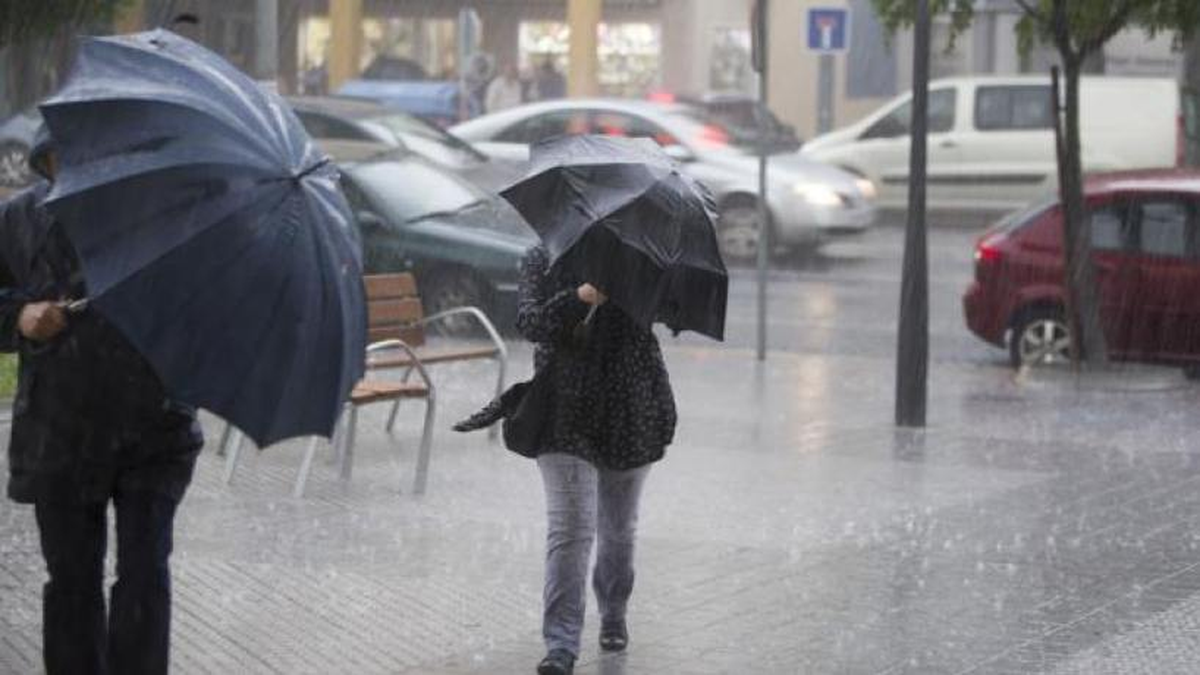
(987, 252)
(1180, 141)
(712, 136)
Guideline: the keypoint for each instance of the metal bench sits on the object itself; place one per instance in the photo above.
(397, 337)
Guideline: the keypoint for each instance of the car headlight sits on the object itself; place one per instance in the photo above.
(866, 187)
(818, 195)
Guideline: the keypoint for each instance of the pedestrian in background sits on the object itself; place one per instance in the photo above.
(505, 90)
(548, 82)
(612, 416)
(91, 424)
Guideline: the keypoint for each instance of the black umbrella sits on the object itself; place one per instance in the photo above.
(618, 213)
(210, 232)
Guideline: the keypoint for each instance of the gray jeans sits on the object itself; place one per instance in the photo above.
(584, 503)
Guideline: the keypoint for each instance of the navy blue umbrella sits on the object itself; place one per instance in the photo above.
(211, 232)
(619, 214)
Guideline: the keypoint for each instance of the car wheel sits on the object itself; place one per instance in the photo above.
(738, 231)
(449, 288)
(1040, 337)
(14, 165)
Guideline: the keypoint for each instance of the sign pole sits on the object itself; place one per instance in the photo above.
(760, 25)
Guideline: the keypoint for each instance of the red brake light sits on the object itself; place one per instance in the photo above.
(712, 136)
(660, 96)
(987, 252)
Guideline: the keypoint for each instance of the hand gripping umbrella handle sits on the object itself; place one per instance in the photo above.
(580, 334)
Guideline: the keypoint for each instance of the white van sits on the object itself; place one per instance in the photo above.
(991, 143)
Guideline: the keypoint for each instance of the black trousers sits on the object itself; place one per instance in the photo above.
(79, 636)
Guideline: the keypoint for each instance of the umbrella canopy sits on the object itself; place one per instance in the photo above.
(618, 213)
(210, 231)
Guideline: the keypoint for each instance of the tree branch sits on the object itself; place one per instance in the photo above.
(1114, 26)
(1031, 12)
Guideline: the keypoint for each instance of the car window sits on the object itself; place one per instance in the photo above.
(612, 123)
(1110, 229)
(325, 126)
(1163, 229)
(1009, 108)
(899, 121)
(411, 189)
(546, 125)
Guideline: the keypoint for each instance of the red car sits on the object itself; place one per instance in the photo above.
(1144, 227)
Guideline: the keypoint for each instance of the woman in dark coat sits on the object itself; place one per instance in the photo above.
(612, 417)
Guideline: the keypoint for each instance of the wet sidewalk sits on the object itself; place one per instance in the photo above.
(1035, 527)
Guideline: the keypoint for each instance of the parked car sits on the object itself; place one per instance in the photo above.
(991, 142)
(16, 137)
(349, 119)
(807, 200)
(463, 244)
(741, 114)
(1144, 228)
(436, 101)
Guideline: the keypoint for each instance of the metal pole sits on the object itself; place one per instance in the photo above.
(825, 87)
(764, 214)
(266, 40)
(912, 350)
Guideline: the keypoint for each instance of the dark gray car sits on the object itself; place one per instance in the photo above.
(350, 119)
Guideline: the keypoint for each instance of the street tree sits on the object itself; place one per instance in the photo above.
(1078, 30)
(37, 35)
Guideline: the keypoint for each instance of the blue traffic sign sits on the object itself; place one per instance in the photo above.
(828, 29)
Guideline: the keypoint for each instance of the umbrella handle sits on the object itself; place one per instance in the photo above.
(77, 306)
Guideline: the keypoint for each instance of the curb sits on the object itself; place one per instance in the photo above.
(1112, 378)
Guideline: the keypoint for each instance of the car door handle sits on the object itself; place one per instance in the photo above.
(948, 144)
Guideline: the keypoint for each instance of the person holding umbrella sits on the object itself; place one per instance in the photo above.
(193, 251)
(627, 241)
(92, 423)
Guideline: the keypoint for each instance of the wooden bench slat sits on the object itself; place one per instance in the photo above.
(373, 391)
(432, 356)
(414, 337)
(384, 312)
(402, 285)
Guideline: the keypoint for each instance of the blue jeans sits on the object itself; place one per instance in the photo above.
(583, 504)
(78, 636)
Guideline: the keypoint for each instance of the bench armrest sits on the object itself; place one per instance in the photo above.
(384, 345)
(485, 322)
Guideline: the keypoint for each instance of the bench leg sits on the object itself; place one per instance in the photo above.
(502, 371)
(391, 423)
(231, 447)
(223, 445)
(305, 467)
(422, 472)
(348, 443)
(335, 441)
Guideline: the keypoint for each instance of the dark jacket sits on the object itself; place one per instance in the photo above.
(89, 416)
(613, 401)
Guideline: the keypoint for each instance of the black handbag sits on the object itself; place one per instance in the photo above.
(528, 420)
(526, 411)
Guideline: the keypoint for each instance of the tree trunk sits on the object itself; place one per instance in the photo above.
(1082, 297)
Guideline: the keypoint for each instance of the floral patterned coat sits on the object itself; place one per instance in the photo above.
(613, 401)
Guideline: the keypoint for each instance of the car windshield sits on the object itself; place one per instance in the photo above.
(410, 190)
(428, 141)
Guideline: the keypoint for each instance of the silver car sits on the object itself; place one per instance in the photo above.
(808, 201)
(16, 135)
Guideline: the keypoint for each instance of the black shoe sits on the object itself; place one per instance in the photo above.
(557, 662)
(614, 637)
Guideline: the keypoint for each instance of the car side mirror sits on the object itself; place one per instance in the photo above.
(679, 153)
(368, 220)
